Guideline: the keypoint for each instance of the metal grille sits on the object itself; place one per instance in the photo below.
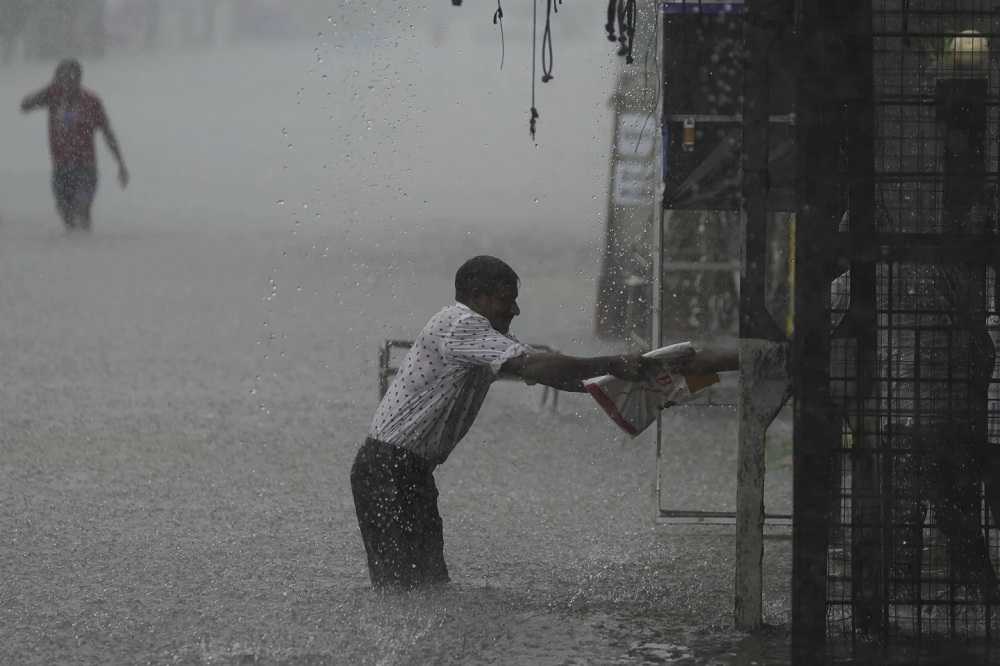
(913, 544)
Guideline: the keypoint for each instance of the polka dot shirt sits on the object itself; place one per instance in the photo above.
(442, 382)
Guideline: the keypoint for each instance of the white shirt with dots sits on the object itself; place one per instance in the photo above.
(442, 382)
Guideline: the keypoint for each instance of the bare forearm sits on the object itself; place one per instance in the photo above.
(115, 149)
(565, 373)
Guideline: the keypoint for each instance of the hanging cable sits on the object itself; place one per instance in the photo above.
(609, 27)
(620, 19)
(547, 43)
(622, 13)
(498, 20)
(630, 12)
(534, 41)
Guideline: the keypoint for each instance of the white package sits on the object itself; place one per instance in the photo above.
(633, 406)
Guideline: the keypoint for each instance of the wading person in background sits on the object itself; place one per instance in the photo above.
(75, 115)
(433, 401)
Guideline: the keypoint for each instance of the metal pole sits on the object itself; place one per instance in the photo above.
(763, 375)
(661, 219)
(823, 84)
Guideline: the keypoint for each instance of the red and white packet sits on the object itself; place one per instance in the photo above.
(633, 406)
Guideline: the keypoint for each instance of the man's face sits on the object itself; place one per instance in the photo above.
(500, 307)
(67, 81)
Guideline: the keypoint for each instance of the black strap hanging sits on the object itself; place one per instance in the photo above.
(498, 20)
(630, 12)
(622, 14)
(609, 27)
(547, 43)
(534, 41)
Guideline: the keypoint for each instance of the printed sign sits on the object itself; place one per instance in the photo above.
(633, 183)
(636, 133)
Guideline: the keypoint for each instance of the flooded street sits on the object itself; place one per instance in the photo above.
(175, 482)
(184, 389)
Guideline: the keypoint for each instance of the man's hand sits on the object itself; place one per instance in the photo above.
(123, 176)
(634, 368)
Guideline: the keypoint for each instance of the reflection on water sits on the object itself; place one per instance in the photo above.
(482, 623)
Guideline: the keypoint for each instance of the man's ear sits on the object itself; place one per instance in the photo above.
(476, 301)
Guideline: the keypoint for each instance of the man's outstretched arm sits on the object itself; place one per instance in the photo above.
(567, 373)
(35, 100)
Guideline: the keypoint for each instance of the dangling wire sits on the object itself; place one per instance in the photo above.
(622, 34)
(622, 13)
(547, 43)
(630, 12)
(534, 41)
(609, 27)
(498, 20)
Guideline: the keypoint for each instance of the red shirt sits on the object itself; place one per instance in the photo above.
(72, 124)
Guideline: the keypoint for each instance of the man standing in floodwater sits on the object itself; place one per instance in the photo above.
(75, 115)
(432, 403)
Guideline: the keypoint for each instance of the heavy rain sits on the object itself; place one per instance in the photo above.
(197, 328)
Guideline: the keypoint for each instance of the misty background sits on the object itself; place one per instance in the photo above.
(368, 112)
(384, 140)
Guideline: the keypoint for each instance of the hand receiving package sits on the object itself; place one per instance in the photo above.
(635, 405)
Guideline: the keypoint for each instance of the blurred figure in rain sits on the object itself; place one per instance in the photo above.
(75, 115)
(432, 403)
(13, 21)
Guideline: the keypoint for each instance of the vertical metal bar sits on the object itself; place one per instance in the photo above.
(790, 317)
(763, 387)
(657, 296)
(822, 76)
(870, 462)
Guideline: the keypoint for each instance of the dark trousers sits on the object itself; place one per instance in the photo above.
(396, 501)
(74, 188)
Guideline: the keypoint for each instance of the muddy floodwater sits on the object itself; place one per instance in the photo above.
(184, 389)
(175, 481)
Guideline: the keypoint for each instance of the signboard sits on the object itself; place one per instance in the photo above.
(635, 135)
(634, 178)
(633, 183)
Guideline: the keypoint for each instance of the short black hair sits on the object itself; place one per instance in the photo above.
(70, 66)
(483, 274)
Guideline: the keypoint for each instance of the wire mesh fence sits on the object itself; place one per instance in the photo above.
(913, 540)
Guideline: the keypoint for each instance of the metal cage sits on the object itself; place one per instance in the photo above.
(912, 540)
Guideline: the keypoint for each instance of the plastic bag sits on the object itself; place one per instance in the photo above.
(633, 406)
